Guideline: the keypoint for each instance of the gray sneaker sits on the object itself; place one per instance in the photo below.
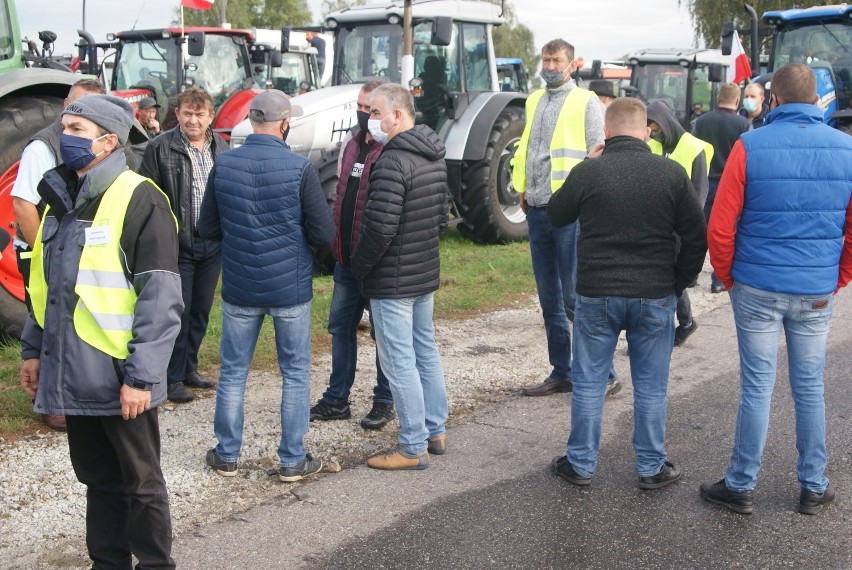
(308, 466)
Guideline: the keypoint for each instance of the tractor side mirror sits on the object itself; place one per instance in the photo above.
(196, 43)
(596, 69)
(442, 31)
(727, 37)
(285, 40)
(275, 58)
(716, 73)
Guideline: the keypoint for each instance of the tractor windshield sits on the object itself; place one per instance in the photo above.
(295, 70)
(222, 69)
(819, 45)
(668, 82)
(7, 37)
(153, 64)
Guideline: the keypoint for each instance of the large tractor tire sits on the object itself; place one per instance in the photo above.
(20, 118)
(490, 208)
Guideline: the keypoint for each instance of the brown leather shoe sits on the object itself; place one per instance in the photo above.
(437, 445)
(397, 459)
(548, 387)
(56, 423)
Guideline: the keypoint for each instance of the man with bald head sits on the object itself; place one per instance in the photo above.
(630, 204)
(780, 241)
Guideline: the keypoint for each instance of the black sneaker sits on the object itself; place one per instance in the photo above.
(308, 466)
(378, 417)
(562, 468)
(669, 473)
(178, 393)
(222, 467)
(682, 332)
(325, 411)
(718, 493)
(811, 503)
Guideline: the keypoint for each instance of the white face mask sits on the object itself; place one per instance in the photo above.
(375, 128)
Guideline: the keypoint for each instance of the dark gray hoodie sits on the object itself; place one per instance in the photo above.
(662, 114)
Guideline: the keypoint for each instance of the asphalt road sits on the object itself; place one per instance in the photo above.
(492, 502)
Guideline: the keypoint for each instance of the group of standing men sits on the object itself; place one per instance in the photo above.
(632, 226)
(123, 267)
(125, 264)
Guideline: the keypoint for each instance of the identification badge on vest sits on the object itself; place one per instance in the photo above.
(97, 235)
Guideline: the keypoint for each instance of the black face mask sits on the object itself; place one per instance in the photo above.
(363, 117)
(285, 134)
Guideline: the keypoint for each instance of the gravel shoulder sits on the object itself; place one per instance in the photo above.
(485, 358)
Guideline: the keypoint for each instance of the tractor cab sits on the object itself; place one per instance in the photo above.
(821, 38)
(164, 62)
(448, 68)
(688, 80)
(512, 75)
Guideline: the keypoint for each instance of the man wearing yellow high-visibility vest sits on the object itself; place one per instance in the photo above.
(669, 138)
(106, 305)
(564, 122)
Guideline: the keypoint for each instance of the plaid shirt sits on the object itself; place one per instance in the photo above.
(202, 164)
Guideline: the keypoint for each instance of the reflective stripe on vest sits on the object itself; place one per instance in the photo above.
(568, 145)
(688, 147)
(103, 317)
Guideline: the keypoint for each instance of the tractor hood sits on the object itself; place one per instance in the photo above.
(328, 114)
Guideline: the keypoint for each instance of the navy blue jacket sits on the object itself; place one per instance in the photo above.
(267, 207)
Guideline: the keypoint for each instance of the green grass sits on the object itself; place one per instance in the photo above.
(474, 278)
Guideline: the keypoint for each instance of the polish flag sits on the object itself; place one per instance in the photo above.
(740, 69)
(197, 4)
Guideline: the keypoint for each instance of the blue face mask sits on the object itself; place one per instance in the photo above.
(76, 152)
(750, 105)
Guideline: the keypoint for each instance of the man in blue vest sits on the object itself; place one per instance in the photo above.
(266, 206)
(564, 122)
(104, 318)
(780, 238)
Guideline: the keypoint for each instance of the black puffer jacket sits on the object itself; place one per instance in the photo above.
(167, 163)
(406, 211)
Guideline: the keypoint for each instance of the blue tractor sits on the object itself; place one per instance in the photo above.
(821, 38)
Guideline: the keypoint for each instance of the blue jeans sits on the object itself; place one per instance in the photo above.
(760, 316)
(347, 307)
(240, 328)
(650, 337)
(554, 260)
(405, 337)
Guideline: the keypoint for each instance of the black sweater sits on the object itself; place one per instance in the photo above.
(630, 203)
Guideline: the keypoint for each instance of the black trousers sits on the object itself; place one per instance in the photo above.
(199, 275)
(127, 507)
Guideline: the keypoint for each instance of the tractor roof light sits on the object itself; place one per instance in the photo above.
(110, 37)
(633, 61)
(684, 63)
(393, 19)
(331, 23)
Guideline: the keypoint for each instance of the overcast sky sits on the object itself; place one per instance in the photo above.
(599, 29)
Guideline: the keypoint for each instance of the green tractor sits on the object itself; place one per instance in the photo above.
(32, 88)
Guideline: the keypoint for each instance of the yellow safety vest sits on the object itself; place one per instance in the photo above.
(568, 145)
(688, 147)
(103, 317)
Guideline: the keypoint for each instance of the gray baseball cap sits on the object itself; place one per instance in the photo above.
(148, 103)
(272, 105)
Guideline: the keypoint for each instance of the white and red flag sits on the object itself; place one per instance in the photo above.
(197, 4)
(740, 68)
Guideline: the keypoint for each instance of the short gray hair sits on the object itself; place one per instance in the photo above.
(397, 96)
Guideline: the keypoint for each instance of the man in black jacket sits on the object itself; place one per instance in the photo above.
(721, 128)
(630, 205)
(397, 262)
(179, 161)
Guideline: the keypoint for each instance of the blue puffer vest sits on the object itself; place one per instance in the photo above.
(798, 186)
(266, 261)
